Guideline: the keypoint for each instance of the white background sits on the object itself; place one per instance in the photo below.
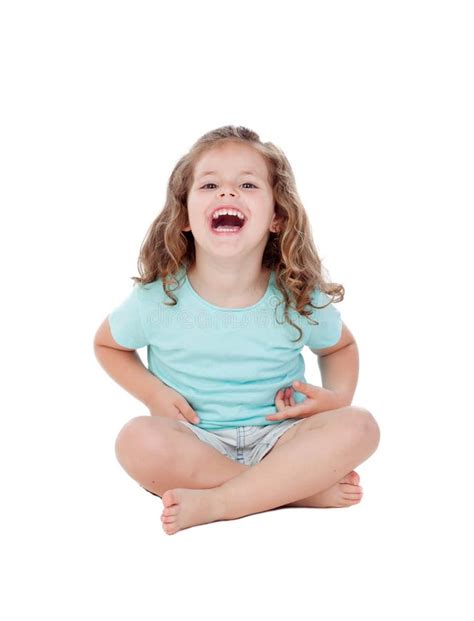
(372, 104)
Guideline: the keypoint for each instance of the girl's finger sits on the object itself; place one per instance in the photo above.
(279, 400)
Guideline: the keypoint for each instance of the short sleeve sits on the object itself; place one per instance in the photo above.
(126, 324)
(329, 329)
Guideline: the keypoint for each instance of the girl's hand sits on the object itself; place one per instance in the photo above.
(171, 404)
(318, 400)
(284, 398)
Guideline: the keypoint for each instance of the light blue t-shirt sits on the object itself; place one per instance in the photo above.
(228, 363)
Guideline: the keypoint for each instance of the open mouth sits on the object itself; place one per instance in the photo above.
(227, 224)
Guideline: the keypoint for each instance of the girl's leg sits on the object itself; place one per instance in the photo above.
(324, 448)
(160, 453)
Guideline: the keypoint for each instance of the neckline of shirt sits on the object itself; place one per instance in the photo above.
(224, 308)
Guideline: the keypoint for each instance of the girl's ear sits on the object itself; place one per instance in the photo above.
(275, 226)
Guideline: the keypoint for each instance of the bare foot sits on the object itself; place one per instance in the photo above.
(184, 508)
(188, 507)
(344, 493)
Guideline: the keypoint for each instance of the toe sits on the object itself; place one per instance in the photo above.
(354, 478)
(346, 502)
(168, 529)
(166, 519)
(173, 510)
(169, 498)
(347, 487)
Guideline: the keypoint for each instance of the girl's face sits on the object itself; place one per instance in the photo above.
(233, 175)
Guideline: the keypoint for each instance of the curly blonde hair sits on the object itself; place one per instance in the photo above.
(291, 252)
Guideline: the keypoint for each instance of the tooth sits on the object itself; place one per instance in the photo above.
(233, 212)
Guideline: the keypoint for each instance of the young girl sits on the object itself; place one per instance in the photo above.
(231, 290)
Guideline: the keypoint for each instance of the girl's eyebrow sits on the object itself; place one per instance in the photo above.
(242, 172)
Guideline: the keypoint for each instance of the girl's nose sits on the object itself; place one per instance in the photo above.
(227, 188)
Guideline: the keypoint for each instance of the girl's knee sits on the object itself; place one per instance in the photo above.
(139, 435)
(364, 422)
(372, 429)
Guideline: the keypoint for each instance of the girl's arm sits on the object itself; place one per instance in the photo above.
(339, 365)
(125, 366)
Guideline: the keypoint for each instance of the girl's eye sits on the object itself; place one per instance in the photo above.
(246, 183)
